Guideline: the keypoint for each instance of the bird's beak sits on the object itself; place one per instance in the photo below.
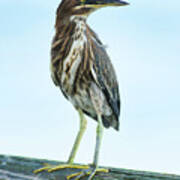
(104, 3)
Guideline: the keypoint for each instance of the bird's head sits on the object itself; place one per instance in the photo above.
(85, 7)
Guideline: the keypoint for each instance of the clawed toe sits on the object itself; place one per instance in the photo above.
(45, 168)
(50, 168)
(87, 172)
(84, 170)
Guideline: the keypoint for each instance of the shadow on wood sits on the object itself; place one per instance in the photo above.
(21, 168)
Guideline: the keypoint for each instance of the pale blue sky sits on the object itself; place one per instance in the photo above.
(143, 42)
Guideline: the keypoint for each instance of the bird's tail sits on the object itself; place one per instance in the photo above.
(110, 121)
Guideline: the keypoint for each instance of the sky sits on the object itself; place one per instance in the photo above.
(143, 42)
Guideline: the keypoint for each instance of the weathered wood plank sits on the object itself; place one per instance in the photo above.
(21, 168)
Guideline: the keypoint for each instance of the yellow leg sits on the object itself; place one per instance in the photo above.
(83, 125)
(85, 170)
(99, 134)
(91, 171)
(49, 168)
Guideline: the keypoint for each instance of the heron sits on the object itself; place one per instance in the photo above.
(81, 68)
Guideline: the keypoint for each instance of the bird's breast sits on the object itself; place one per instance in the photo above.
(73, 61)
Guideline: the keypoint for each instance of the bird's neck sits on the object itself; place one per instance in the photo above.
(70, 22)
(78, 18)
(80, 26)
(72, 30)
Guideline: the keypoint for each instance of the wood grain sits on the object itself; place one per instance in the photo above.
(21, 168)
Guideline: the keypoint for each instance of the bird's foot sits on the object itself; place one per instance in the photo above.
(50, 168)
(90, 172)
(85, 170)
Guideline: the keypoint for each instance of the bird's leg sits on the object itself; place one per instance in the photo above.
(99, 134)
(94, 168)
(83, 125)
(69, 164)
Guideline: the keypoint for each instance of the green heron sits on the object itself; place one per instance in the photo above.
(82, 69)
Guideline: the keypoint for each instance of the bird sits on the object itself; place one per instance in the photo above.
(81, 68)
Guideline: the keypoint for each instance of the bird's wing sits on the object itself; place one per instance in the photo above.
(105, 76)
